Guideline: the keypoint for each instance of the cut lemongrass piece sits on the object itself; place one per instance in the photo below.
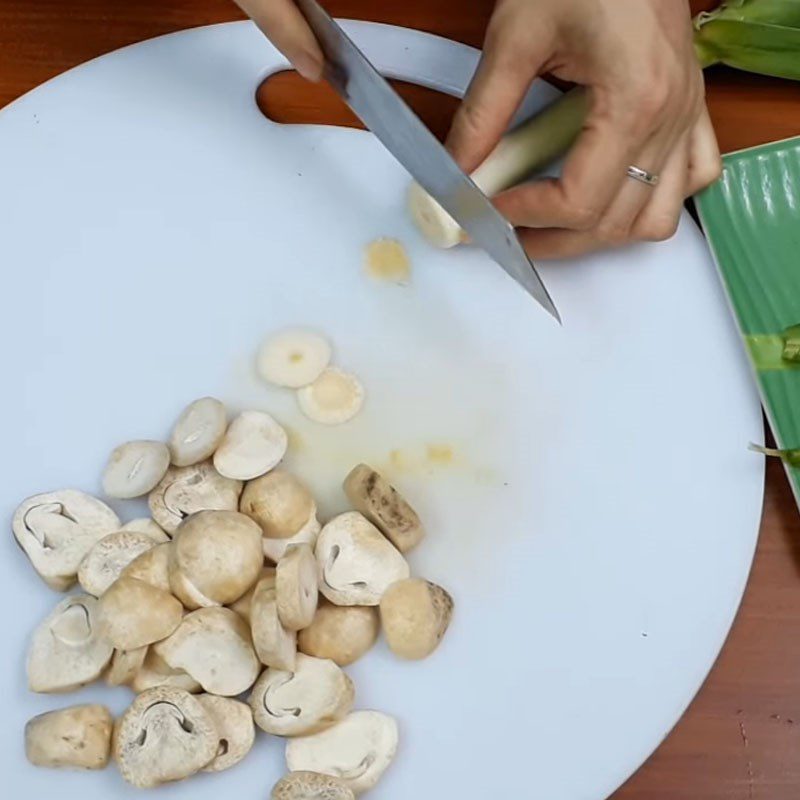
(791, 344)
(790, 457)
(293, 358)
(335, 397)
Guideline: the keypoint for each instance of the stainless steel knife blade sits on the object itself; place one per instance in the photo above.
(385, 113)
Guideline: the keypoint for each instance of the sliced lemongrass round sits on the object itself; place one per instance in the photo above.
(293, 358)
(335, 397)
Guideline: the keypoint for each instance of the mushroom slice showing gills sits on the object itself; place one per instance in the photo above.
(198, 432)
(311, 698)
(293, 358)
(296, 587)
(213, 645)
(78, 737)
(234, 723)
(135, 468)
(341, 633)
(311, 786)
(253, 445)
(104, 563)
(356, 750)
(333, 399)
(125, 664)
(356, 562)
(280, 503)
(183, 491)
(165, 735)
(67, 650)
(56, 530)
(276, 647)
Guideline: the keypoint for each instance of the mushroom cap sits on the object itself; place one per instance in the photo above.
(149, 526)
(334, 398)
(124, 666)
(155, 672)
(279, 502)
(78, 736)
(184, 491)
(415, 615)
(198, 432)
(214, 646)
(152, 567)
(312, 697)
(253, 445)
(234, 723)
(356, 562)
(132, 613)
(340, 633)
(165, 735)
(219, 553)
(311, 786)
(135, 468)
(274, 549)
(67, 650)
(275, 646)
(371, 494)
(104, 563)
(296, 587)
(57, 529)
(243, 605)
(356, 750)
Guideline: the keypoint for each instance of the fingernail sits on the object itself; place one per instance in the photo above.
(308, 65)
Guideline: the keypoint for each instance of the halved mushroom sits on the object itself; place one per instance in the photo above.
(155, 672)
(215, 558)
(214, 646)
(56, 530)
(149, 526)
(253, 445)
(356, 562)
(124, 666)
(78, 737)
(293, 358)
(356, 750)
(311, 786)
(244, 604)
(165, 735)
(296, 587)
(372, 495)
(280, 503)
(341, 633)
(275, 646)
(312, 697)
(186, 490)
(334, 398)
(135, 468)
(67, 650)
(198, 432)
(415, 615)
(234, 723)
(132, 613)
(104, 563)
(274, 549)
(152, 567)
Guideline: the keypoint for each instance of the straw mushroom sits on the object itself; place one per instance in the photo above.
(334, 398)
(275, 549)
(78, 737)
(340, 633)
(214, 646)
(135, 468)
(356, 562)
(253, 445)
(152, 567)
(67, 650)
(415, 615)
(155, 672)
(149, 526)
(165, 735)
(372, 495)
(275, 646)
(311, 786)
(124, 666)
(296, 587)
(198, 432)
(215, 558)
(56, 530)
(244, 604)
(312, 697)
(234, 723)
(356, 750)
(104, 563)
(186, 490)
(293, 358)
(279, 502)
(133, 613)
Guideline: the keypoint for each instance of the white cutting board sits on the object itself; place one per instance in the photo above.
(597, 516)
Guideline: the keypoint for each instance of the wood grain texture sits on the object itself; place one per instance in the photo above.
(740, 739)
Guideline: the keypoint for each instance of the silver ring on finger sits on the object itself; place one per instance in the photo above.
(643, 176)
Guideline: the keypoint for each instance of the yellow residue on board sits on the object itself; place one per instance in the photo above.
(296, 442)
(386, 260)
(439, 454)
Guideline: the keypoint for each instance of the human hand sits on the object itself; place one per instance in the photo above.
(285, 27)
(647, 109)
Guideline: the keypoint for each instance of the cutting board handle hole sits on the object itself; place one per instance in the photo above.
(288, 99)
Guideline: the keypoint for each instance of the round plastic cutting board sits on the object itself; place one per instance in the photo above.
(589, 497)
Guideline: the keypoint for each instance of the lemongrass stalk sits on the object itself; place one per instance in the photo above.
(791, 344)
(791, 457)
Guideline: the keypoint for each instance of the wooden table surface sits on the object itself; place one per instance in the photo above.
(740, 739)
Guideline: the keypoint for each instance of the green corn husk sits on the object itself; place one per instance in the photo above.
(760, 36)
